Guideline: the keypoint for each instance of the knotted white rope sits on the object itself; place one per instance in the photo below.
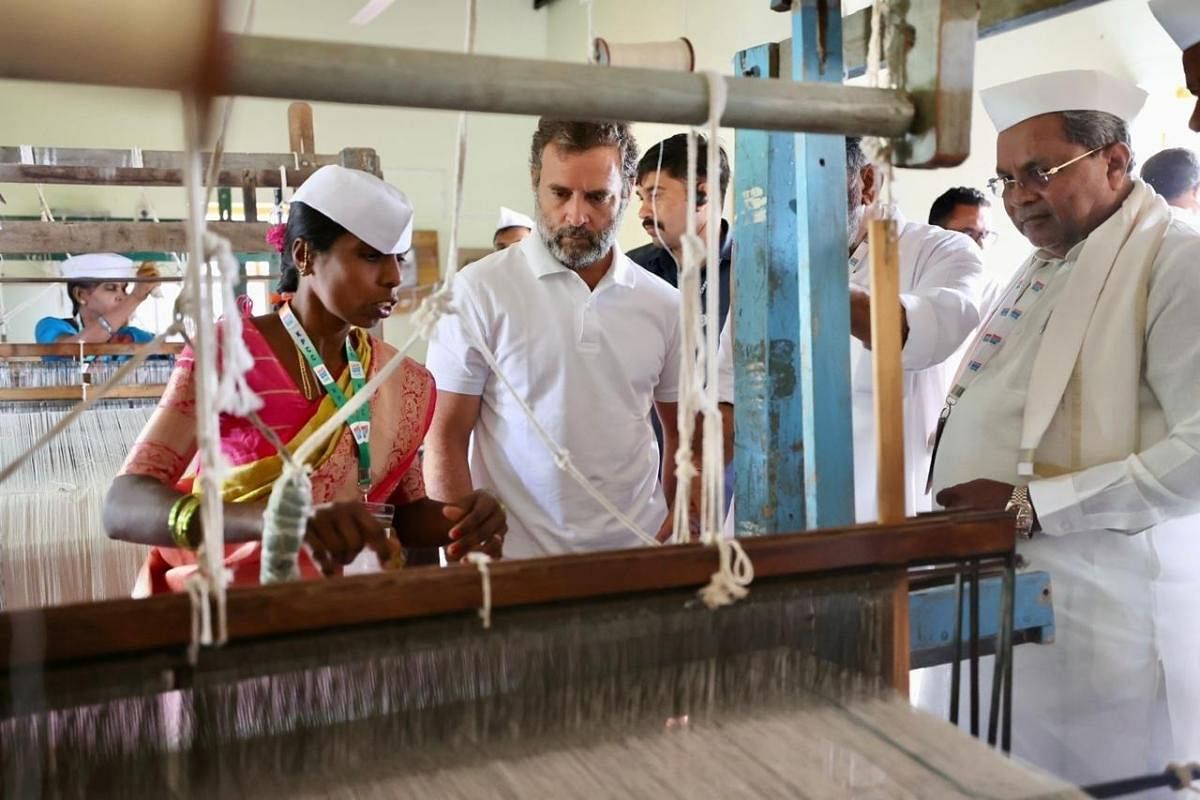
(734, 572)
(482, 560)
(197, 289)
(234, 395)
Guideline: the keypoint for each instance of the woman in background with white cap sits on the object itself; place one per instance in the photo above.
(346, 233)
(101, 305)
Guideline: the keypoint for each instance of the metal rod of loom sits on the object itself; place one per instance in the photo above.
(351, 73)
(259, 66)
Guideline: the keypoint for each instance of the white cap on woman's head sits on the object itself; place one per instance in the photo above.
(368, 207)
(97, 267)
(512, 219)
(1180, 19)
(1012, 103)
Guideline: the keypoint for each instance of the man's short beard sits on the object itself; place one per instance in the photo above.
(574, 257)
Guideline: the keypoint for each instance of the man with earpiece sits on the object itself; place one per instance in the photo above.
(662, 190)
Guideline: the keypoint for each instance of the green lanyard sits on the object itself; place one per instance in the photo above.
(360, 421)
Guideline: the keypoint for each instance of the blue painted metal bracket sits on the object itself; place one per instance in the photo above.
(793, 455)
(931, 617)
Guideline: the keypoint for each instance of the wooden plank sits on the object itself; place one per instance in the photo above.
(133, 391)
(939, 75)
(118, 627)
(160, 167)
(887, 369)
(301, 138)
(995, 17)
(123, 237)
(896, 650)
(425, 247)
(8, 350)
(821, 254)
(768, 412)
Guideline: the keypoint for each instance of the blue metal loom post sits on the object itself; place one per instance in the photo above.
(794, 456)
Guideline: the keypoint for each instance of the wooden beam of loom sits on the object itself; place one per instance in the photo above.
(8, 350)
(163, 622)
(123, 237)
(132, 391)
(111, 167)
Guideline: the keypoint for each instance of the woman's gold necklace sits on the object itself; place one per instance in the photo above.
(305, 386)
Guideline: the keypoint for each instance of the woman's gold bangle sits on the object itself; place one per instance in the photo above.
(179, 520)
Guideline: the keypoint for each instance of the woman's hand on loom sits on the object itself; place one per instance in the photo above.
(337, 533)
(480, 523)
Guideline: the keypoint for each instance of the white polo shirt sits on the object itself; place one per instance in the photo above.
(590, 364)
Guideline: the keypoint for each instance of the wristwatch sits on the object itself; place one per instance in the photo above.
(1021, 505)
(105, 324)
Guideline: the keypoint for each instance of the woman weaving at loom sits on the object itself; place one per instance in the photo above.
(101, 305)
(344, 232)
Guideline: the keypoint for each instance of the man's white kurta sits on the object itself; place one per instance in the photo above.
(1118, 691)
(590, 364)
(941, 288)
(941, 282)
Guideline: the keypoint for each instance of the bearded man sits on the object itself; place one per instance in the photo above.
(586, 337)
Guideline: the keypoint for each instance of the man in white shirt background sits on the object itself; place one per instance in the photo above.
(588, 339)
(941, 277)
(941, 282)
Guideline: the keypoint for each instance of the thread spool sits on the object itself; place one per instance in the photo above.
(675, 54)
(169, 44)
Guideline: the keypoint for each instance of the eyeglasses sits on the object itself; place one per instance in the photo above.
(1034, 177)
(981, 238)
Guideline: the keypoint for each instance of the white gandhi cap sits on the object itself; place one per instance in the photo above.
(366, 206)
(512, 219)
(1070, 90)
(98, 267)
(1180, 19)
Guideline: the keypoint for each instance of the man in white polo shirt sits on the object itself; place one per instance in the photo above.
(586, 337)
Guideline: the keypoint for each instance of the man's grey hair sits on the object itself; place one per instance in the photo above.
(577, 136)
(856, 157)
(1092, 129)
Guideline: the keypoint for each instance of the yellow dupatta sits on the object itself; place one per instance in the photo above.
(253, 481)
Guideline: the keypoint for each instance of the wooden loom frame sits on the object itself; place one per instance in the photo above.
(96, 639)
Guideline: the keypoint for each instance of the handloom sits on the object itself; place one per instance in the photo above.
(602, 675)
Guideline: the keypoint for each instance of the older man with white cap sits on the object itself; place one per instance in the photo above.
(1077, 408)
(101, 305)
(511, 228)
(1181, 19)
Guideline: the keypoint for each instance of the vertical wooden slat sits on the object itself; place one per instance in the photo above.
(888, 372)
(820, 246)
(301, 139)
(896, 645)
(768, 413)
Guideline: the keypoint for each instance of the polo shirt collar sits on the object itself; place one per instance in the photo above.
(623, 271)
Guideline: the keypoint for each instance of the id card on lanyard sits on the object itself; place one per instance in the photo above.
(360, 421)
